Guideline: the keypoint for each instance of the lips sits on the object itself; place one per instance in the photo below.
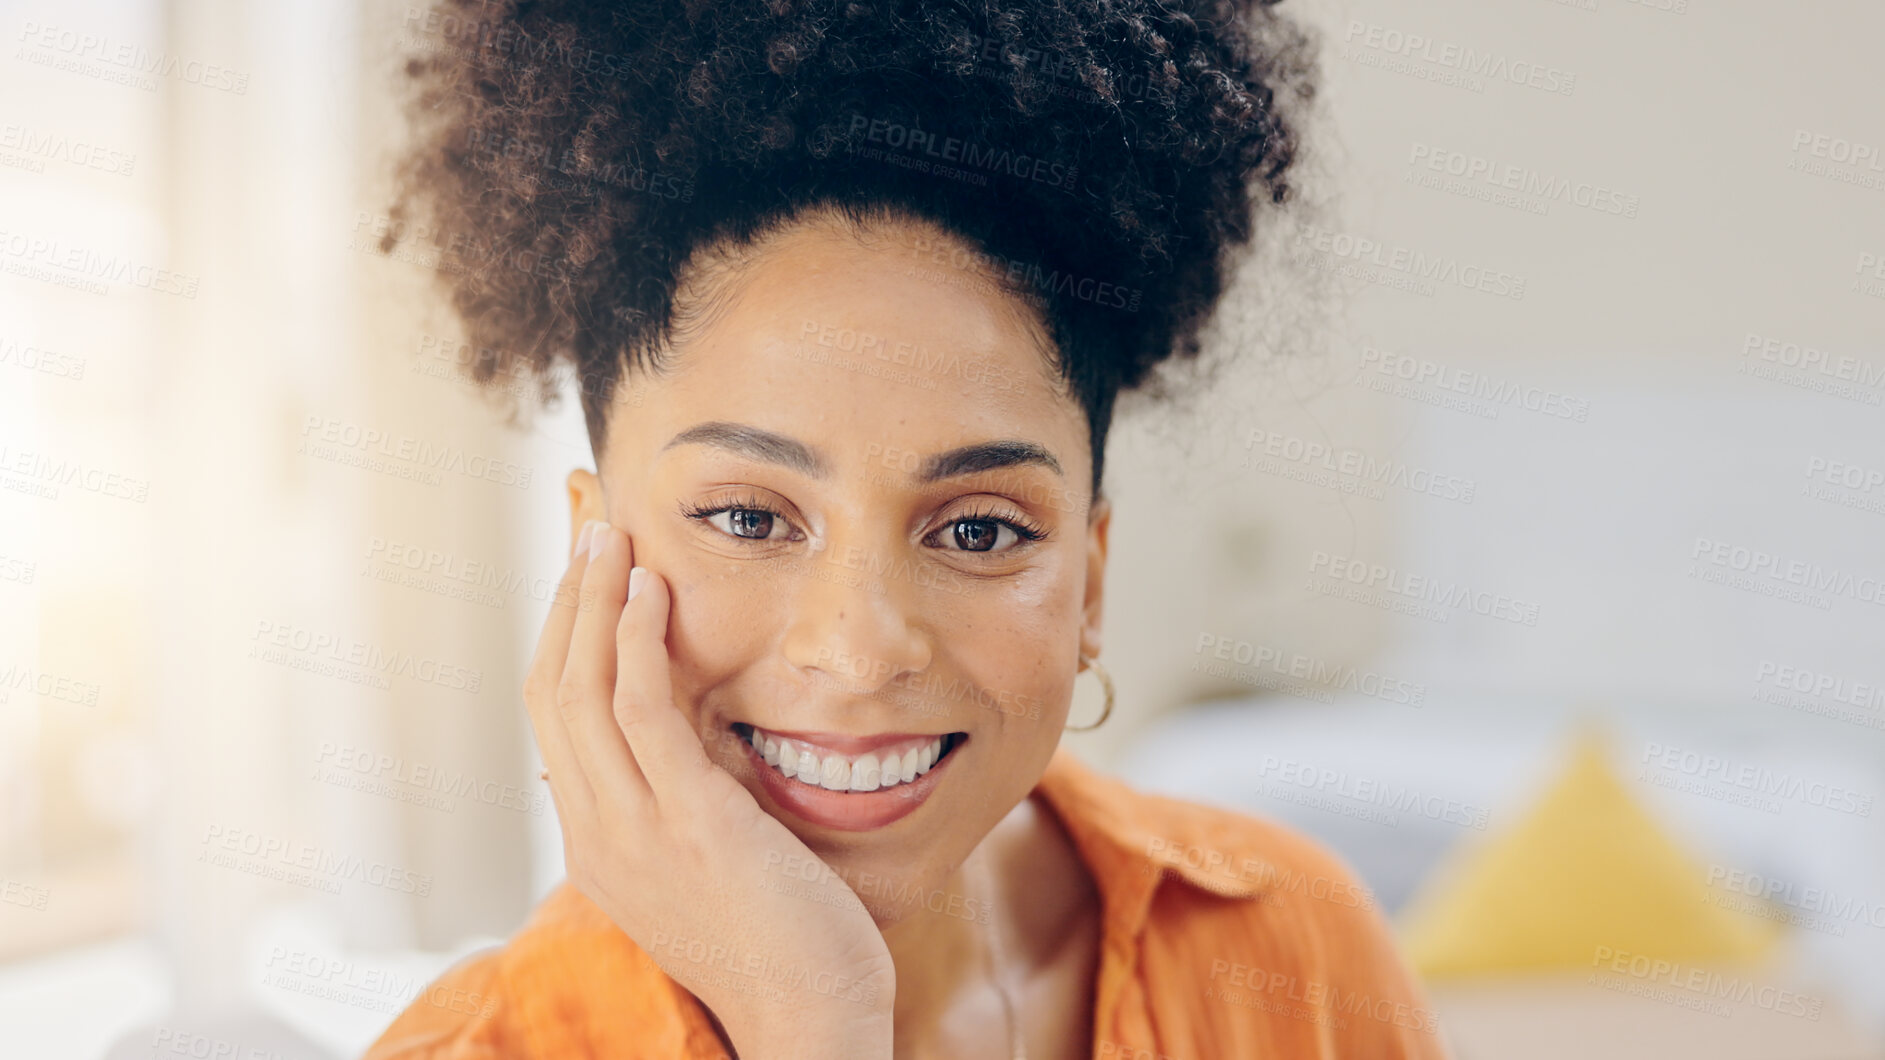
(847, 782)
(840, 743)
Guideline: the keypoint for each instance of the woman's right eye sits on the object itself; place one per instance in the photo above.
(750, 524)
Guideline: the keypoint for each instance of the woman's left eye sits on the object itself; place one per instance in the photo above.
(983, 535)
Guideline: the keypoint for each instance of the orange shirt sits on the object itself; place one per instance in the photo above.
(1225, 937)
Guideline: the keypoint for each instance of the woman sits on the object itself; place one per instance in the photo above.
(851, 290)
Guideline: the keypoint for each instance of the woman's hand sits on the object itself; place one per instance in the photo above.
(673, 849)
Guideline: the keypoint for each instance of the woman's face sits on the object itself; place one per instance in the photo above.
(869, 494)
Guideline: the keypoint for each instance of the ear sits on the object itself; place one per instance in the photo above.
(585, 503)
(1093, 610)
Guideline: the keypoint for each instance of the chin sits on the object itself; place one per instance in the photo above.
(895, 888)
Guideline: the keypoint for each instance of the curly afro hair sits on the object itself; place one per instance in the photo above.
(1101, 158)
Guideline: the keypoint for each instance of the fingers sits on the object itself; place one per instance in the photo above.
(570, 789)
(589, 677)
(664, 745)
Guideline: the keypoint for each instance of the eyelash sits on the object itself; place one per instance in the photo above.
(1023, 529)
(704, 512)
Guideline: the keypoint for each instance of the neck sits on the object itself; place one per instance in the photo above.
(1042, 897)
(942, 956)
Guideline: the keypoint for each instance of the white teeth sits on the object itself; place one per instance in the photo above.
(865, 773)
(871, 771)
(836, 774)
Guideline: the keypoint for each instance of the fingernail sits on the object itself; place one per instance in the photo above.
(582, 537)
(597, 540)
(636, 575)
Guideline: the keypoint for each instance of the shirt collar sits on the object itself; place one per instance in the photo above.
(1132, 840)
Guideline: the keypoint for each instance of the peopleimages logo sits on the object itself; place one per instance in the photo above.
(1323, 998)
(1522, 180)
(1019, 164)
(1704, 983)
(89, 265)
(354, 660)
(1419, 269)
(918, 357)
(38, 359)
(130, 58)
(40, 146)
(1814, 900)
(1044, 281)
(1841, 473)
(1351, 464)
(1838, 149)
(1485, 394)
(364, 770)
(1370, 791)
(1828, 695)
(17, 678)
(1755, 781)
(1757, 564)
(1341, 677)
(42, 474)
(304, 864)
(1472, 63)
(1871, 267)
(374, 989)
(1844, 367)
(1829, 686)
(1447, 595)
(24, 895)
(332, 438)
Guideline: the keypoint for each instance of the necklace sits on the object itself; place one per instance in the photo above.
(996, 959)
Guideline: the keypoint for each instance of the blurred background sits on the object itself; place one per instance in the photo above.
(1527, 552)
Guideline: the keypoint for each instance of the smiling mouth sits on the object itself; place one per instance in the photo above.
(889, 763)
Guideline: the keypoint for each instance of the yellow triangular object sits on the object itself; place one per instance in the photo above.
(1587, 867)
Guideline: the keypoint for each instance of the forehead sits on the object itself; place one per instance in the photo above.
(849, 343)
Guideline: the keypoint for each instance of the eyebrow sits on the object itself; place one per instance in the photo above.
(754, 443)
(768, 447)
(986, 456)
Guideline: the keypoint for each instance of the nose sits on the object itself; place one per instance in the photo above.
(856, 628)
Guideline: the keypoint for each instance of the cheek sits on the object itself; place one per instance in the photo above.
(718, 626)
(1022, 645)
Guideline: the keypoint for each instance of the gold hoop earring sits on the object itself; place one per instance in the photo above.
(1106, 682)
